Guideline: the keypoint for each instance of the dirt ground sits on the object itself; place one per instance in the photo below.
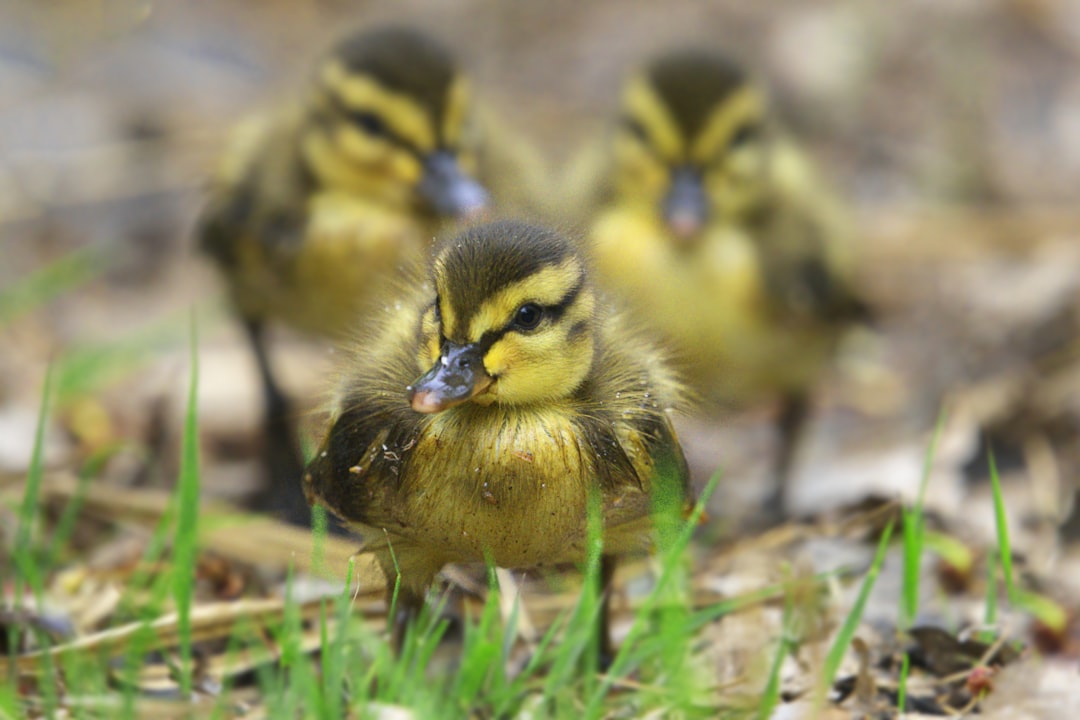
(951, 130)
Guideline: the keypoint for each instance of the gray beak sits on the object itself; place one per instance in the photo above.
(457, 376)
(449, 191)
(685, 206)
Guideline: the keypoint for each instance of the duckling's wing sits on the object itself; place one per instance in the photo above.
(631, 513)
(803, 272)
(357, 471)
(259, 193)
(804, 236)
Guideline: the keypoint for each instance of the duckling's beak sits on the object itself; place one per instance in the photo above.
(685, 206)
(450, 192)
(459, 375)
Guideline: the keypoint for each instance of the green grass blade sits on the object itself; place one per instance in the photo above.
(65, 526)
(9, 702)
(913, 537)
(1052, 615)
(914, 529)
(88, 367)
(185, 547)
(28, 511)
(851, 623)
(49, 282)
(670, 568)
(578, 644)
(928, 459)
(953, 552)
(1002, 522)
(990, 609)
(28, 571)
(901, 690)
(771, 696)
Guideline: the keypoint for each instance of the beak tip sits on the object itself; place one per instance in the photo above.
(424, 402)
(684, 226)
(474, 207)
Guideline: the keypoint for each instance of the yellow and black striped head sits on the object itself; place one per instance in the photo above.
(511, 322)
(390, 119)
(692, 140)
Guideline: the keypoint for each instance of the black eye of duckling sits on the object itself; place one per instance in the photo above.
(369, 122)
(744, 135)
(528, 316)
(636, 129)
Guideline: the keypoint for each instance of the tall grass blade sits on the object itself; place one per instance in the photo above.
(25, 552)
(771, 696)
(914, 529)
(901, 688)
(28, 511)
(1002, 522)
(851, 623)
(991, 603)
(185, 547)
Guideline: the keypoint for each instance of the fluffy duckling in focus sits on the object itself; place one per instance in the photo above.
(715, 231)
(476, 421)
(317, 207)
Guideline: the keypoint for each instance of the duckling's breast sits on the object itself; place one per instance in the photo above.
(709, 301)
(350, 247)
(509, 485)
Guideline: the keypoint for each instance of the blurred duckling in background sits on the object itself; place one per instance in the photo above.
(317, 207)
(714, 230)
(474, 424)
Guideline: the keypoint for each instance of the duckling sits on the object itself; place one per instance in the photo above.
(316, 207)
(712, 227)
(474, 423)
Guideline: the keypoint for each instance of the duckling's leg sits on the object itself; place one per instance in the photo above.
(407, 608)
(408, 577)
(606, 655)
(284, 494)
(794, 411)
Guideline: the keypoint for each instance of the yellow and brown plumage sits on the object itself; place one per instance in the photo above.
(476, 421)
(715, 231)
(317, 207)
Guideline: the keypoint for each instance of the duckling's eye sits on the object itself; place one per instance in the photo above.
(528, 317)
(369, 122)
(636, 129)
(744, 135)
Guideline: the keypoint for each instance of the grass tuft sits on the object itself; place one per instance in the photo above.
(671, 560)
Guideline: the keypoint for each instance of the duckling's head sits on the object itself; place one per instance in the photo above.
(511, 321)
(390, 119)
(691, 140)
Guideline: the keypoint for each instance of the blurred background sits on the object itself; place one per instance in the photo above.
(951, 131)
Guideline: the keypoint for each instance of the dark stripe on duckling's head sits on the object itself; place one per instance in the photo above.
(404, 61)
(474, 266)
(692, 83)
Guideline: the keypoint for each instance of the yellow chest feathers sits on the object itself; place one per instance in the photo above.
(510, 485)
